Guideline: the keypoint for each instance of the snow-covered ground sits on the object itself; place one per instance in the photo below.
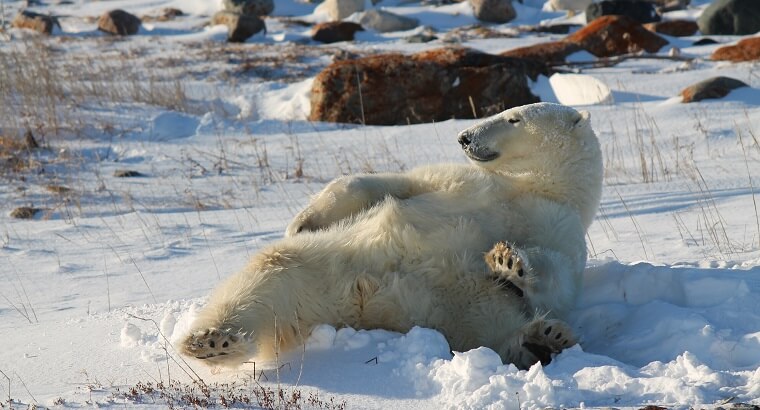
(96, 287)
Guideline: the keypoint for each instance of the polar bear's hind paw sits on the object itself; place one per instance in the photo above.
(543, 337)
(214, 344)
(509, 269)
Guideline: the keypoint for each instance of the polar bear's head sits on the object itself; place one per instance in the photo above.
(544, 148)
(528, 138)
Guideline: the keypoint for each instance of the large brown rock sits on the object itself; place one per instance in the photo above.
(745, 50)
(610, 36)
(716, 87)
(335, 31)
(675, 28)
(119, 22)
(240, 27)
(437, 85)
(552, 52)
(35, 21)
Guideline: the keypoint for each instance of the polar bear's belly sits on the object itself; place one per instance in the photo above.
(431, 233)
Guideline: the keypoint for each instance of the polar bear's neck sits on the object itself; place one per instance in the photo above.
(578, 184)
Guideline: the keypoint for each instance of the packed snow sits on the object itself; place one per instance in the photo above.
(99, 286)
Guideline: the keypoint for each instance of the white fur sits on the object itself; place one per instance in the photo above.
(396, 250)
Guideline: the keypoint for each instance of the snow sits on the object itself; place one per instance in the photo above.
(98, 287)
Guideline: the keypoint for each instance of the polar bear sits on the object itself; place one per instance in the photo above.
(397, 250)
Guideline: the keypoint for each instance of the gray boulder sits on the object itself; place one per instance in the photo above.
(240, 27)
(493, 11)
(340, 9)
(385, 22)
(250, 7)
(730, 17)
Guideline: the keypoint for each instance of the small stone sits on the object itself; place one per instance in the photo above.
(712, 88)
(170, 13)
(493, 11)
(335, 31)
(24, 212)
(34, 21)
(127, 173)
(119, 22)
(420, 38)
(240, 27)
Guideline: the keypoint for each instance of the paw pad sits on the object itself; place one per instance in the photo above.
(508, 268)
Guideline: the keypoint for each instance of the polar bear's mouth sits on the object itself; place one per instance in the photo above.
(482, 155)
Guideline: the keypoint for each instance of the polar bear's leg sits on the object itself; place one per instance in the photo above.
(271, 305)
(537, 341)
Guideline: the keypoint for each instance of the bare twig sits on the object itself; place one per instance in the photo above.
(751, 185)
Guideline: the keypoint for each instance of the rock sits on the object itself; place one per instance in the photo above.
(119, 22)
(170, 13)
(385, 22)
(745, 50)
(553, 29)
(553, 51)
(437, 85)
(568, 5)
(127, 173)
(675, 28)
(616, 35)
(420, 38)
(340, 9)
(24, 212)
(335, 31)
(493, 11)
(249, 7)
(638, 11)
(716, 87)
(580, 89)
(240, 27)
(730, 17)
(704, 42)
(34, 21)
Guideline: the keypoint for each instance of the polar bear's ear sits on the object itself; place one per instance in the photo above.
(583, 119)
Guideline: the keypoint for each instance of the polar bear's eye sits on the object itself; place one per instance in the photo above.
(513, 120)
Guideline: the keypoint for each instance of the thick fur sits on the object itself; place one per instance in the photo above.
(393, 251)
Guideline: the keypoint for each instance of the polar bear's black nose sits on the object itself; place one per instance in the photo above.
(464, 139)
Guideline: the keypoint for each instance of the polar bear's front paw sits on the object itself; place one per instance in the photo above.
(509, 268)
(217, 345)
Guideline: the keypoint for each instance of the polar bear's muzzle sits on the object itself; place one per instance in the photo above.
(473, 149)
